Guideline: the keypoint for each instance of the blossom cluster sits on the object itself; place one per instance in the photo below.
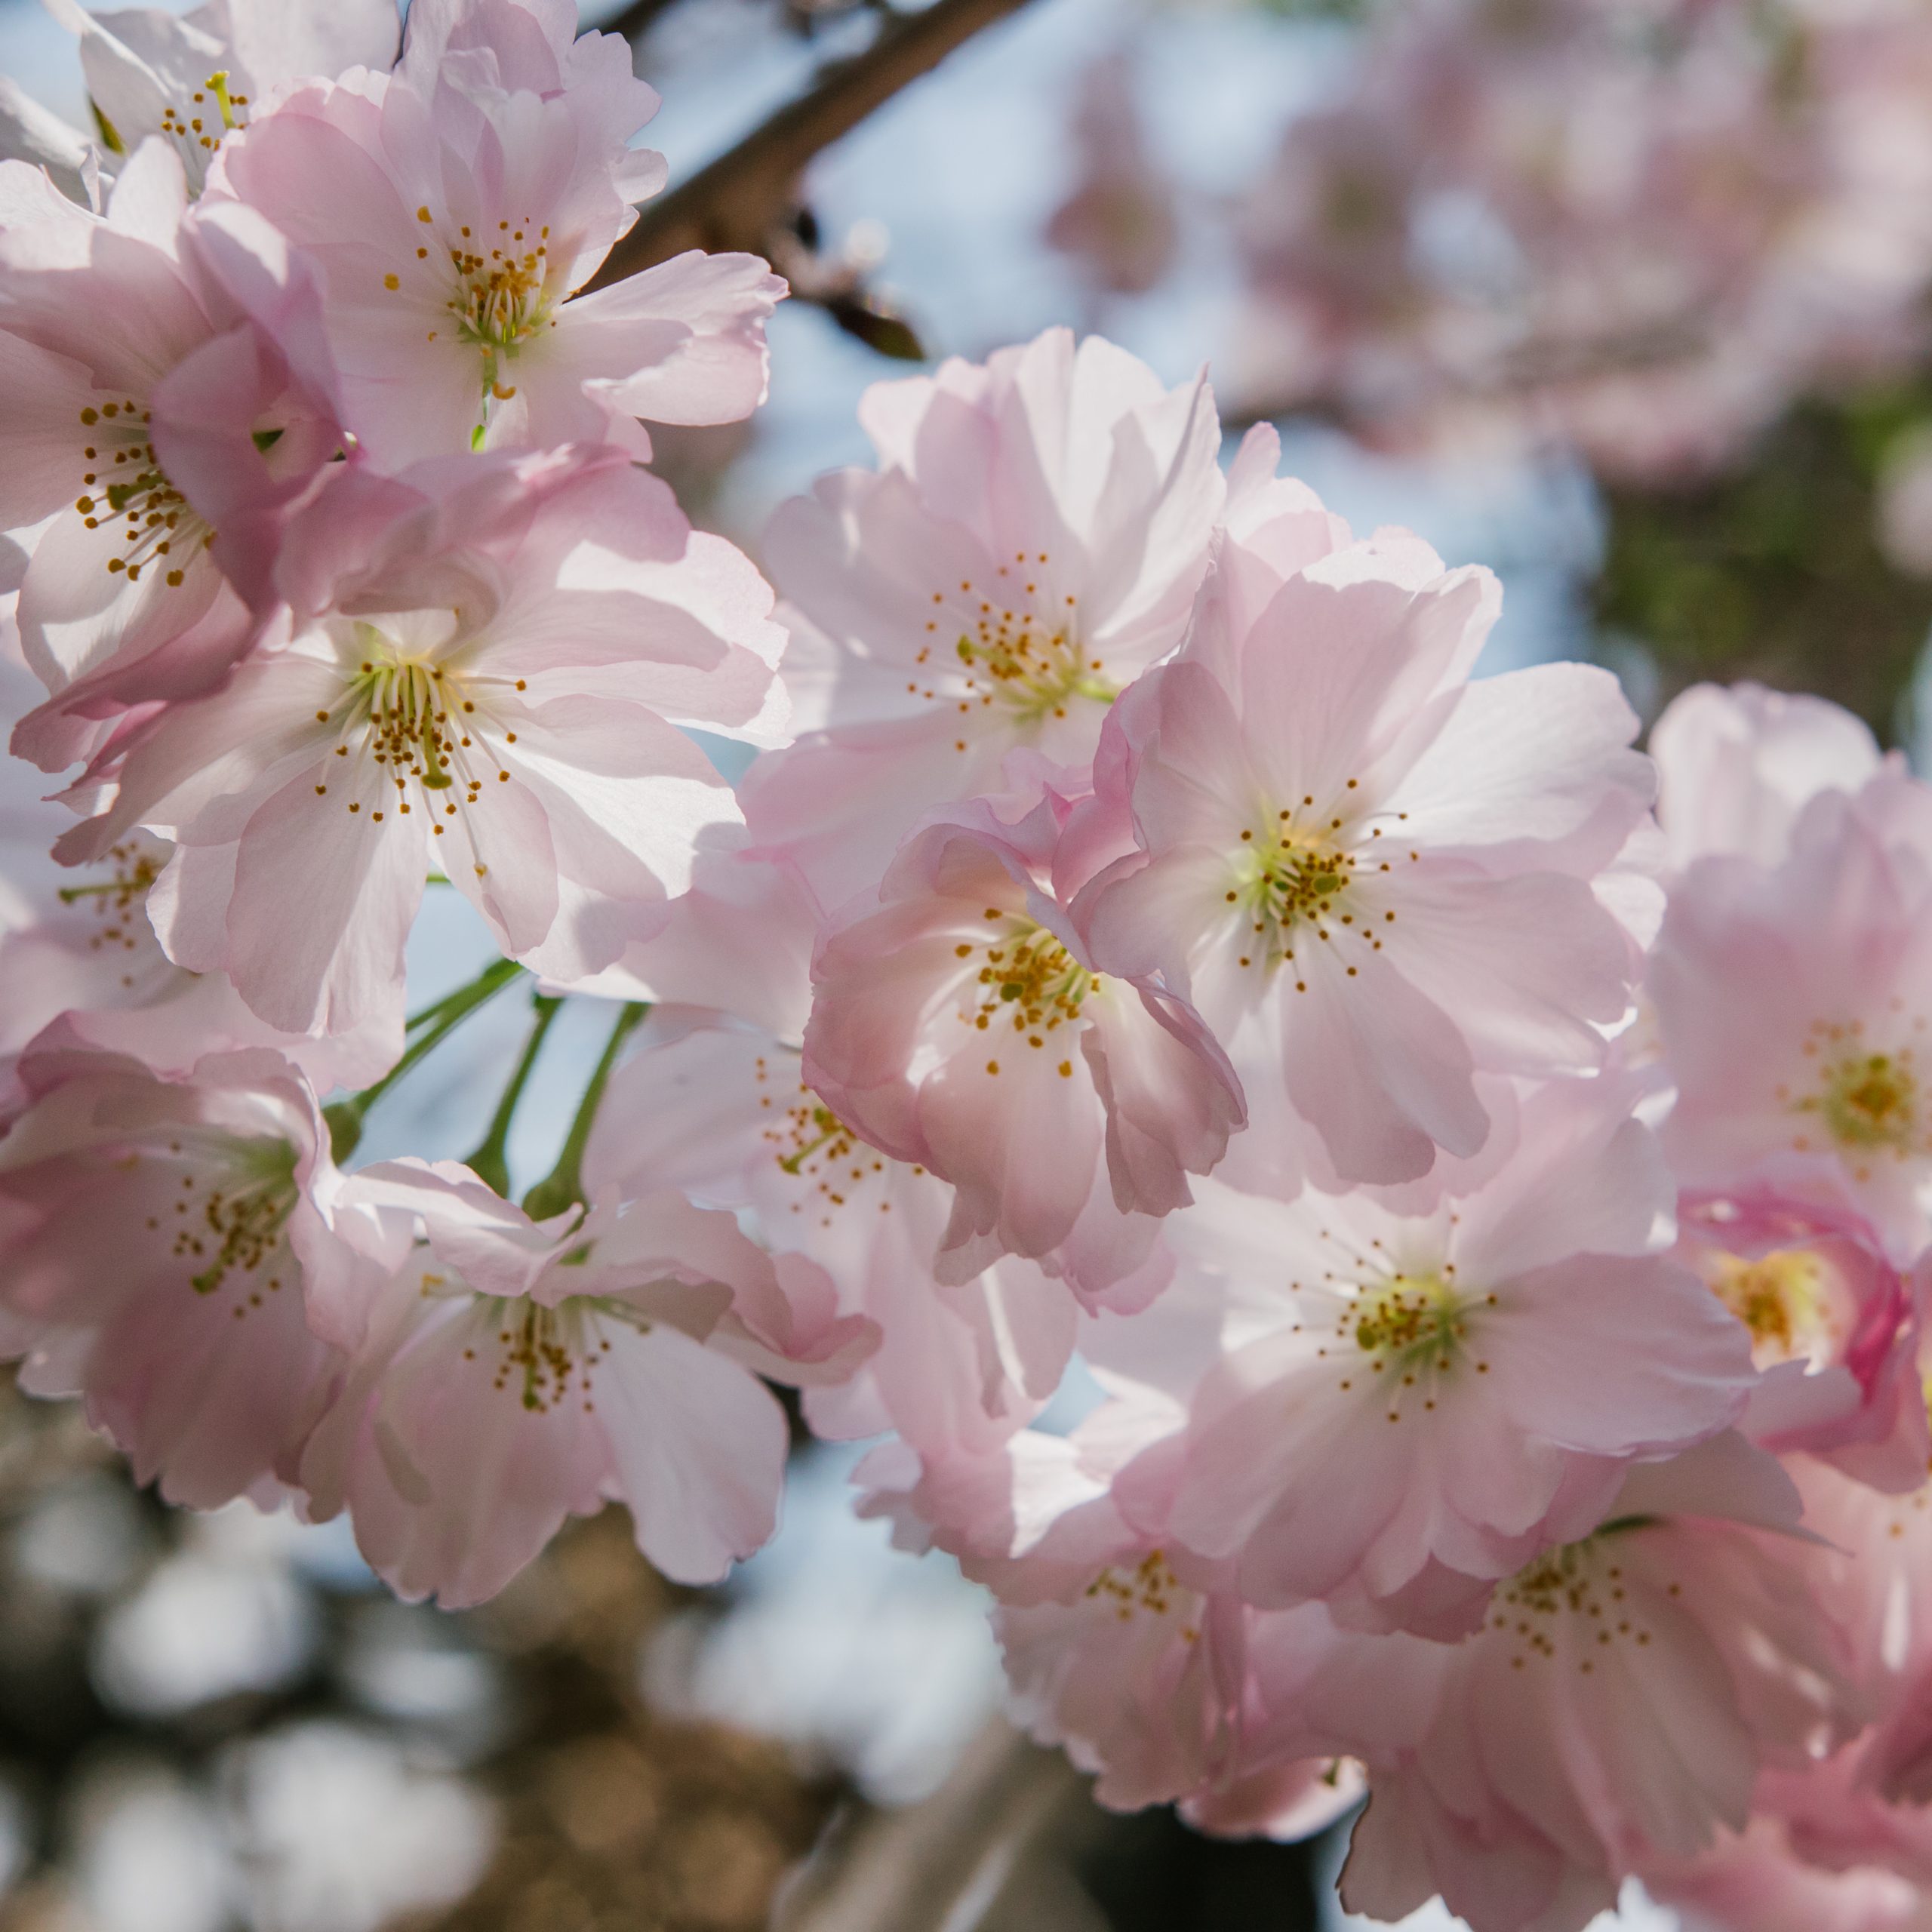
(1480, 1171)
(1640, 227)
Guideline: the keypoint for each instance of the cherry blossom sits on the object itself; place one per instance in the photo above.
(1833, 1325)
(156, 438)
(91, 959)
(162, 1236)
(455, 210)
(484, 655)
(960, 1022)
(1792, 1001)
(1737, 764)
(512, 1372)
(1613, 1711)
(1030, 543)
(721, 1110)
(1485, 1371)
(192, 79)
(1373, 877)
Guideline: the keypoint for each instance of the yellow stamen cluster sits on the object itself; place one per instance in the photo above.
(228, 1217)
(127, 486)
(1151, 1585)
(545, 1350)
(503, 295)
(115, 897)
(1780, 1297)
(1297, 875)
(420, 722)
(1015, 644)
(1029, 979)
(201, 127)
(1867, 1101)
(812, 1145)
(1571, 1598)
(1415, 1324)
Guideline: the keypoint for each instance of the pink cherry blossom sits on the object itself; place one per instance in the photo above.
(191, 79)
(961, 1023)
(1373, 877)
(1737, 764)
(1030, 543)
(1833, 1325)
(513, 1373)
(1792, 1001)
(156, 438)
(162, 1236)
(1612, 1713)
(90, 959)
(1485, 1371)
(484, 654)
(720, 1111)
(455, 210)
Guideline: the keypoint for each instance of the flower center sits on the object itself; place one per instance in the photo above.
(124, 486)
(1029, 979)
(202, 122)
(427, 723)
(1781, 1298)
(1298, 876)
(1573, 1602)
(1871, 1100)
(1017, 647)
(233, 1201)
(1151, 1586)
(811, 1146)
(1867, 1101)
(1409, 1322)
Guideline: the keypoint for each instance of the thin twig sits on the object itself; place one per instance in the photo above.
(735, 203)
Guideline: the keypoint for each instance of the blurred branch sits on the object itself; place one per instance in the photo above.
(744, 196)
(639, 18)
(928, 1867)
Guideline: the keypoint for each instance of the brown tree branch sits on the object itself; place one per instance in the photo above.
(637, 18)
(736, 202)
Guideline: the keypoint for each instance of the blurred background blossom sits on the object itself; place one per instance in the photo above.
(1626, 298)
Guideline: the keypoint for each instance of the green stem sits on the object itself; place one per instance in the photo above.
(488, 1162)
(346, 1117)
(563, 1186)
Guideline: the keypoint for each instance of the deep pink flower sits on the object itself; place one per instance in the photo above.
(162, 1238)
(514, 1373)
(1833, 1325)
(155, 434)
(958, 1022)
(1030, 543)
(454, 209)
(1373, 877)
(485, 655)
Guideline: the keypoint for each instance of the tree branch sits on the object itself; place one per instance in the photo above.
(735, 202)
(637, 18)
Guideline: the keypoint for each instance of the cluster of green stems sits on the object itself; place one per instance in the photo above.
(562, 1187)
